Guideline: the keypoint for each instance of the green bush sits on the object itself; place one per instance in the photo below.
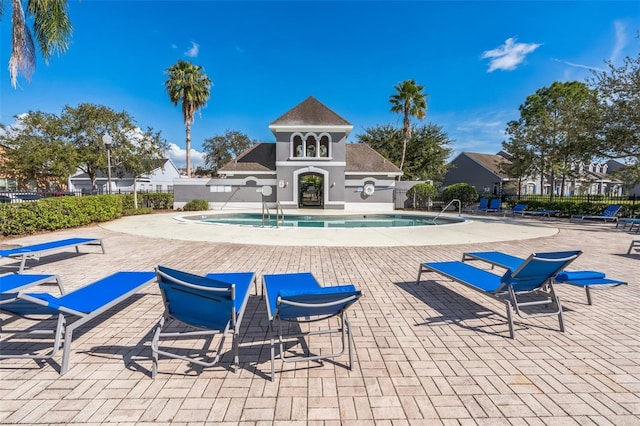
(153, 200)
(464, 192)
(50, 214)
(196, 205)
(421, 193)
(135, 212)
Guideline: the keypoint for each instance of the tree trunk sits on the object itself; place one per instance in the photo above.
(188, 148)
(135, 193)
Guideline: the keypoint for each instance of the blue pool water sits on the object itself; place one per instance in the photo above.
(325, 221)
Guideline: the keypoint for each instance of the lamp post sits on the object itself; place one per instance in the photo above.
(106, 138)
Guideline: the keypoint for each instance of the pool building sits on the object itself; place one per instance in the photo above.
(310, 165)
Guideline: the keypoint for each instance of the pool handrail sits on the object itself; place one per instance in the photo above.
(446, 207)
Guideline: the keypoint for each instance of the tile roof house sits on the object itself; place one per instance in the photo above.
(309, 165)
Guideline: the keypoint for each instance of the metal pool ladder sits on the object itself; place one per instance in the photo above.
(266, 213)
(455, 200)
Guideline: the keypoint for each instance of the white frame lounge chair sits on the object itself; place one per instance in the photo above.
(74, 309)
(635, 244)
(208, 305)
(585, 279)
(534, 275)
(12, 284)
(35, 251)
(299, 298)
(608, 215)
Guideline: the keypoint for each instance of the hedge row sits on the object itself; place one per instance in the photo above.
(50, 214)
(568, 208)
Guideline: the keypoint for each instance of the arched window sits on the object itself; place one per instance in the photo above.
(324, 146)
(298, 146)
(312, 146)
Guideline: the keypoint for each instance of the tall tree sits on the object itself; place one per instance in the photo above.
(618, 130)
(51, 28)
(553, 131)
(410, 102)
(221, 149)
(36, 152)
(427, 150)
(189, 85)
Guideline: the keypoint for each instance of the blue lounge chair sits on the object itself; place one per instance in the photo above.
(74, 309)
(517, 209)
(12, 284)
(209, 305)
(35, 251)
(484, 203)
(298, 298)
(495, 206)
(608, 215)
(533, 276)
(539, 213)
(585, 279)
(630, 222)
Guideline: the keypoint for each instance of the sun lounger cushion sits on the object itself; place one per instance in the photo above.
(579, 275)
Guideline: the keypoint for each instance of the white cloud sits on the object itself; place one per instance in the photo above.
(193, 51)
(508, 56)
(621, 40)
(573, 64)
(179, 156)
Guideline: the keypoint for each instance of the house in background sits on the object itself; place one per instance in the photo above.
(484, 172)
(612, 167)
(159, 179)
(6, 183)
(309, 166)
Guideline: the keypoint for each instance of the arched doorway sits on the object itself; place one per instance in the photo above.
(311, 190)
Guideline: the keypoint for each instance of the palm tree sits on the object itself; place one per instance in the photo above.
(51, 28)
(411, 102)
(188, 84)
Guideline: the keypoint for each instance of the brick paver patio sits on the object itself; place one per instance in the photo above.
(434, 353)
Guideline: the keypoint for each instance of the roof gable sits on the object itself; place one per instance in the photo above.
(491, 162)
(259, 157)
(309, 112)
(360, 157)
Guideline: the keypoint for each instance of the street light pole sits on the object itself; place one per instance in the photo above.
(106, 138)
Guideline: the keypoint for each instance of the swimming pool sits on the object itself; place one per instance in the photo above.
(376, 220)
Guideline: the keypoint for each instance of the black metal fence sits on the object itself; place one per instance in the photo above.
(633, 201)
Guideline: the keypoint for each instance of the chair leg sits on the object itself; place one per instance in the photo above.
(273, 353)
(347, 325)
(586, 289)
(421, 269)
(512, 332)
(236, 352)
(154, 347)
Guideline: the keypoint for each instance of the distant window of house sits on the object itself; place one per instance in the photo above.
(298, 146)
(169, 188)
(220, 188)
(158, 188)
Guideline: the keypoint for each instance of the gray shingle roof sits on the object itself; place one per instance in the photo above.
(260, 157)
(310, 112)
(491, 162)
(361, 157)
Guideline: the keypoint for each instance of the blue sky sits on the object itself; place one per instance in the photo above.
(478, 61)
